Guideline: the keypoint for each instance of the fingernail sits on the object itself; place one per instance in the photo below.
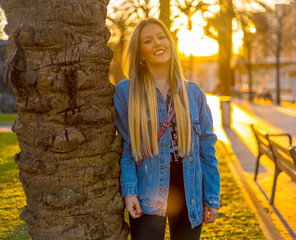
(141, 213)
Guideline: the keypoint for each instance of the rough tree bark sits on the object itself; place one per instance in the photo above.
(58, 63)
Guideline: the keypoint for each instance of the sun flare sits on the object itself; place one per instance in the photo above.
(195, 43)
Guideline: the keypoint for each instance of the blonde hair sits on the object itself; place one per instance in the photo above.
(142, 94)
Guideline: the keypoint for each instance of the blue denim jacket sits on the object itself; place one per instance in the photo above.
(151, 182)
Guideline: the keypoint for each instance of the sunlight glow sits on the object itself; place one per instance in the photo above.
(237, 41)
(198, 20)
(214, 104)
(214, 8)
(194, 42)
(252, 28)
(3, 22)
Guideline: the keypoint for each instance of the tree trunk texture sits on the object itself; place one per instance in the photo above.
(58, 63)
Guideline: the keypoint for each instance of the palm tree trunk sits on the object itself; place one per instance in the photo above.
(58, 63)
(225, 45)
(165, 12)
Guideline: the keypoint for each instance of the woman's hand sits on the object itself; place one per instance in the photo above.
(210, 214)
(132, 205)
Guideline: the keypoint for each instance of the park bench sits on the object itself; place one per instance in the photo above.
(284, 157)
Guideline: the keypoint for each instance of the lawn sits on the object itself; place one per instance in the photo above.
(236, 219)
(8, 117)
(12, 198)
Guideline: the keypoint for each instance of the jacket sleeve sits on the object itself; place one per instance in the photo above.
(209, 162)
(128, 177)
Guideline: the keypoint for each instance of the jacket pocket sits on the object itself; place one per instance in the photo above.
(196, 127)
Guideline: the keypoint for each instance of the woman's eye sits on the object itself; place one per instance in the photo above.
(147, 41)
(161, 37)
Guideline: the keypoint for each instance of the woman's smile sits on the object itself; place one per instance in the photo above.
(159, 52)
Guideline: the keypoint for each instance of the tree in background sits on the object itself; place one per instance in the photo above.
(120, 20)
(246, 21)
(225, 73)
(143, 8)
(279, 37)
(189, 8)
(165, 12)
(58, 63)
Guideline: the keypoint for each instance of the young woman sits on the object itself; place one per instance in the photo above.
(178, 178)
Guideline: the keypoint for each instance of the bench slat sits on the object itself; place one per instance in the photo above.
(284, 157)
(289, 171)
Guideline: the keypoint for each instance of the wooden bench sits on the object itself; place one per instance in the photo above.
(284, 157)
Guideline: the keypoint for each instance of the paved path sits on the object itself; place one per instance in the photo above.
(274, 119)
(5, 127)
(282, 117)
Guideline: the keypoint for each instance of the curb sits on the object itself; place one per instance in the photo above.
(269, 229)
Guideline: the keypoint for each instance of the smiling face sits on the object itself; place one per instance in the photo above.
(155, 46)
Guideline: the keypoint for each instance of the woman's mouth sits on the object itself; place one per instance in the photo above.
(159, 52)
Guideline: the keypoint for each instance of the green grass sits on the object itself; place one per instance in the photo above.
(236, 219)
(8, 118)
(12, 198)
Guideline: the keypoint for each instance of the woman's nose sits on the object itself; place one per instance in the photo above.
(157, 42)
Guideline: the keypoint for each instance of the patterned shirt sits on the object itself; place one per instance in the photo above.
(174, 157)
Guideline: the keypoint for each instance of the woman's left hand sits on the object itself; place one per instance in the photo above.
(210, 214)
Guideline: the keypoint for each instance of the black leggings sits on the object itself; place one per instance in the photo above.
(152, 227)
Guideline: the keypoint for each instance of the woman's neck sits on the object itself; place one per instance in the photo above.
(160, 77)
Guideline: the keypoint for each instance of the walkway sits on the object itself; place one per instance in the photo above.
(274, 119)
(5, 127)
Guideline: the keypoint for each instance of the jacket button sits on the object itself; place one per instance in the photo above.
(192, 201)
(190, 159)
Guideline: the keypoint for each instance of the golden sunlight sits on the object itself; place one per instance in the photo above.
(237, 41)
(214, 104)
(252, 28)
(194, 42)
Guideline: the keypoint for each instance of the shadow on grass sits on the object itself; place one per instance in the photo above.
(19, 233)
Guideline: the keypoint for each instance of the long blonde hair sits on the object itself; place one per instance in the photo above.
(142, 94)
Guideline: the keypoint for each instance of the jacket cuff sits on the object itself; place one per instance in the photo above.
(129, 189)
(212, 201)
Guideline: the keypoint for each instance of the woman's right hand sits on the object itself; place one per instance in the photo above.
(132, 205)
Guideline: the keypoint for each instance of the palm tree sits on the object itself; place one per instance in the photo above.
(58, 63)
(165, 12)
(189, 8)
(143, 8)
(225, 45)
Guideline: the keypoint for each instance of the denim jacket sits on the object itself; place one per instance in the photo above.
(151, 182)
